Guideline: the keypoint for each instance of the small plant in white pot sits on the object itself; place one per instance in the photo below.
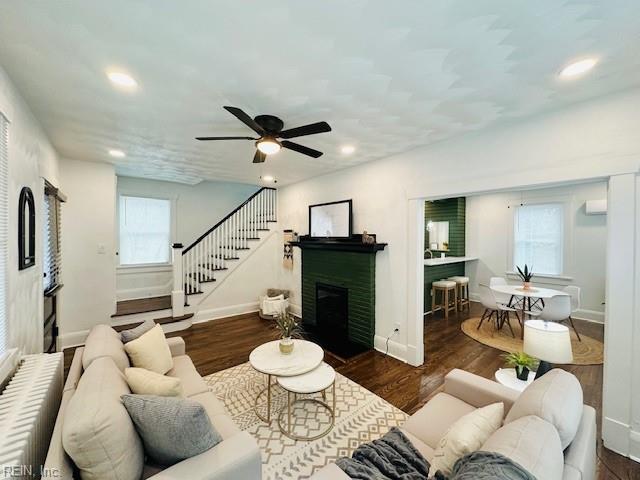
(288, 327)
(522, 363)
(525, 275)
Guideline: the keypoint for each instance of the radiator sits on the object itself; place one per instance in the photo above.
(28, 408)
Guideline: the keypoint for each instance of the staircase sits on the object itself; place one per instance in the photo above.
(199, 268)
(218, 248)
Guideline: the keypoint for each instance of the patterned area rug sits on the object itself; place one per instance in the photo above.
(361, 416)
(589, 351)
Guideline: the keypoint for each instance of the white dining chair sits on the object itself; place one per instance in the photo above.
(558, 309)
(493, 307)
(503, 298)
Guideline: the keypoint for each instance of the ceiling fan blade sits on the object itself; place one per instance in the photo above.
(259, 157)
(312, 128)
(225, 138)
(246, 119)
(296, 147)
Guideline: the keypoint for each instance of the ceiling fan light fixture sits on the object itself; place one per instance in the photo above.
(268, 145)
(578, 68)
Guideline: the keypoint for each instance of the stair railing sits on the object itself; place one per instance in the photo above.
(223, 242)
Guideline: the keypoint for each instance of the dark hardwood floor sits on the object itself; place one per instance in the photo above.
(221, 344)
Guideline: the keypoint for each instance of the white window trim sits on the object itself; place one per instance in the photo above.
(173, 202)
(567, 202)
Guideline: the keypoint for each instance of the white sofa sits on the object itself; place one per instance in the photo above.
(237, 457)
(464, 392)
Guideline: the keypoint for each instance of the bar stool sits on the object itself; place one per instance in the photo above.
(462, 285)
(448, 296)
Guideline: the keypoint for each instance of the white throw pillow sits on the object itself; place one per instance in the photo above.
(466, 435)
(146, 382)
(150, 351)
(555, 397)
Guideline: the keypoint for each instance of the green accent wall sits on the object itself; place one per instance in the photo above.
(353, 270)
(452, 210)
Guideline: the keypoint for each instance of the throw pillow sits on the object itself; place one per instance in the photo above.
(172, 429)
(466, 435)
(133, 333)
(151, 351)
(555, 397)
(146, 382)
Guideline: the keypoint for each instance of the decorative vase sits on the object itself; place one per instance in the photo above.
(522, 373)
(286, 345)
(526, 286)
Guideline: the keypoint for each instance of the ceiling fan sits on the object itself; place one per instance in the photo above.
(270, 130)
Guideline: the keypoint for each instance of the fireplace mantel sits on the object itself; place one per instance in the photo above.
(353, 244)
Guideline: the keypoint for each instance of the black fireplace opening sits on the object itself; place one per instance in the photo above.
(331, 329)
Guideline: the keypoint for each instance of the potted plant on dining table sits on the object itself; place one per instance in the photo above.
(521, 362)
(525, 275)
(288, 327)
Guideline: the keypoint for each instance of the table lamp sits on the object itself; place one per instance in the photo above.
(548, 341)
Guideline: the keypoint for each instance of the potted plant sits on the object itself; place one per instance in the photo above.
(288, 327)
(522, 363)
(525, 275)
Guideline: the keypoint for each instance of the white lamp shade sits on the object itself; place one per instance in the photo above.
(548, 341)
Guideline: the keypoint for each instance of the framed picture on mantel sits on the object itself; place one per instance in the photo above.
(331, 220)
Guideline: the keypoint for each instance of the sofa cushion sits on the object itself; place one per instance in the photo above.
(172, 429)
(531, 442)
(150, 351)
(431, 422)
(146, 382)
(465, 436)
(104, 341)
(97, 432)
(218, 414)
(555, 397)
(192, 382)
(425, 450)
(133, 333)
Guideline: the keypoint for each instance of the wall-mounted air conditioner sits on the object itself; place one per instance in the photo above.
(596, 207)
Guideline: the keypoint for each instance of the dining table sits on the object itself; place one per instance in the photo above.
(526, 298)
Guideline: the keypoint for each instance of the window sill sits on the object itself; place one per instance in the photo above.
(148, 267)
(545, 278)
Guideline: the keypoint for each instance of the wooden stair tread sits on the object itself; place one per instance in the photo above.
(142, 305)
(160, 321)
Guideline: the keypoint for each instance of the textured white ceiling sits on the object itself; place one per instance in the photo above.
(387, 76)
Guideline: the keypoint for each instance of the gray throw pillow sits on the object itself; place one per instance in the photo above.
(133, 333)
(172, 429)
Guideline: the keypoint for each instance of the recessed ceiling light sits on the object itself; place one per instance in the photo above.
(267, 178)
(117, 153)
(347, 149)
(578, 68)
(122, 79)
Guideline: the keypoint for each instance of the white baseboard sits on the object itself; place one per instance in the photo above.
(72, 339)
(615, 435)
(396, 350)
(295, 309)
(223, 312)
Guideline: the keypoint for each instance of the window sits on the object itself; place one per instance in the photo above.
(53, 199)
(539, 238)
(4, 207)
(145, 230)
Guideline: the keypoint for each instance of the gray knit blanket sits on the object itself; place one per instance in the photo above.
(393, 457)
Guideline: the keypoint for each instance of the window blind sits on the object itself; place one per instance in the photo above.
(539, 238)
(145, 230)
(52, 231)
(4, 207)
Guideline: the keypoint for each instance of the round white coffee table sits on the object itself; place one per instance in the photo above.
(315, 381)
(268, 359)
(508, 378)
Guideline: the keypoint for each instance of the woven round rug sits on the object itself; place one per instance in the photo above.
(587, 352)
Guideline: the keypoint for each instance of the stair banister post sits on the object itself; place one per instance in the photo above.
(177, 293)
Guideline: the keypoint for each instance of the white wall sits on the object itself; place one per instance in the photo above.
(31, 160)
(195, 208)
(88, 248)
(489, 231)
